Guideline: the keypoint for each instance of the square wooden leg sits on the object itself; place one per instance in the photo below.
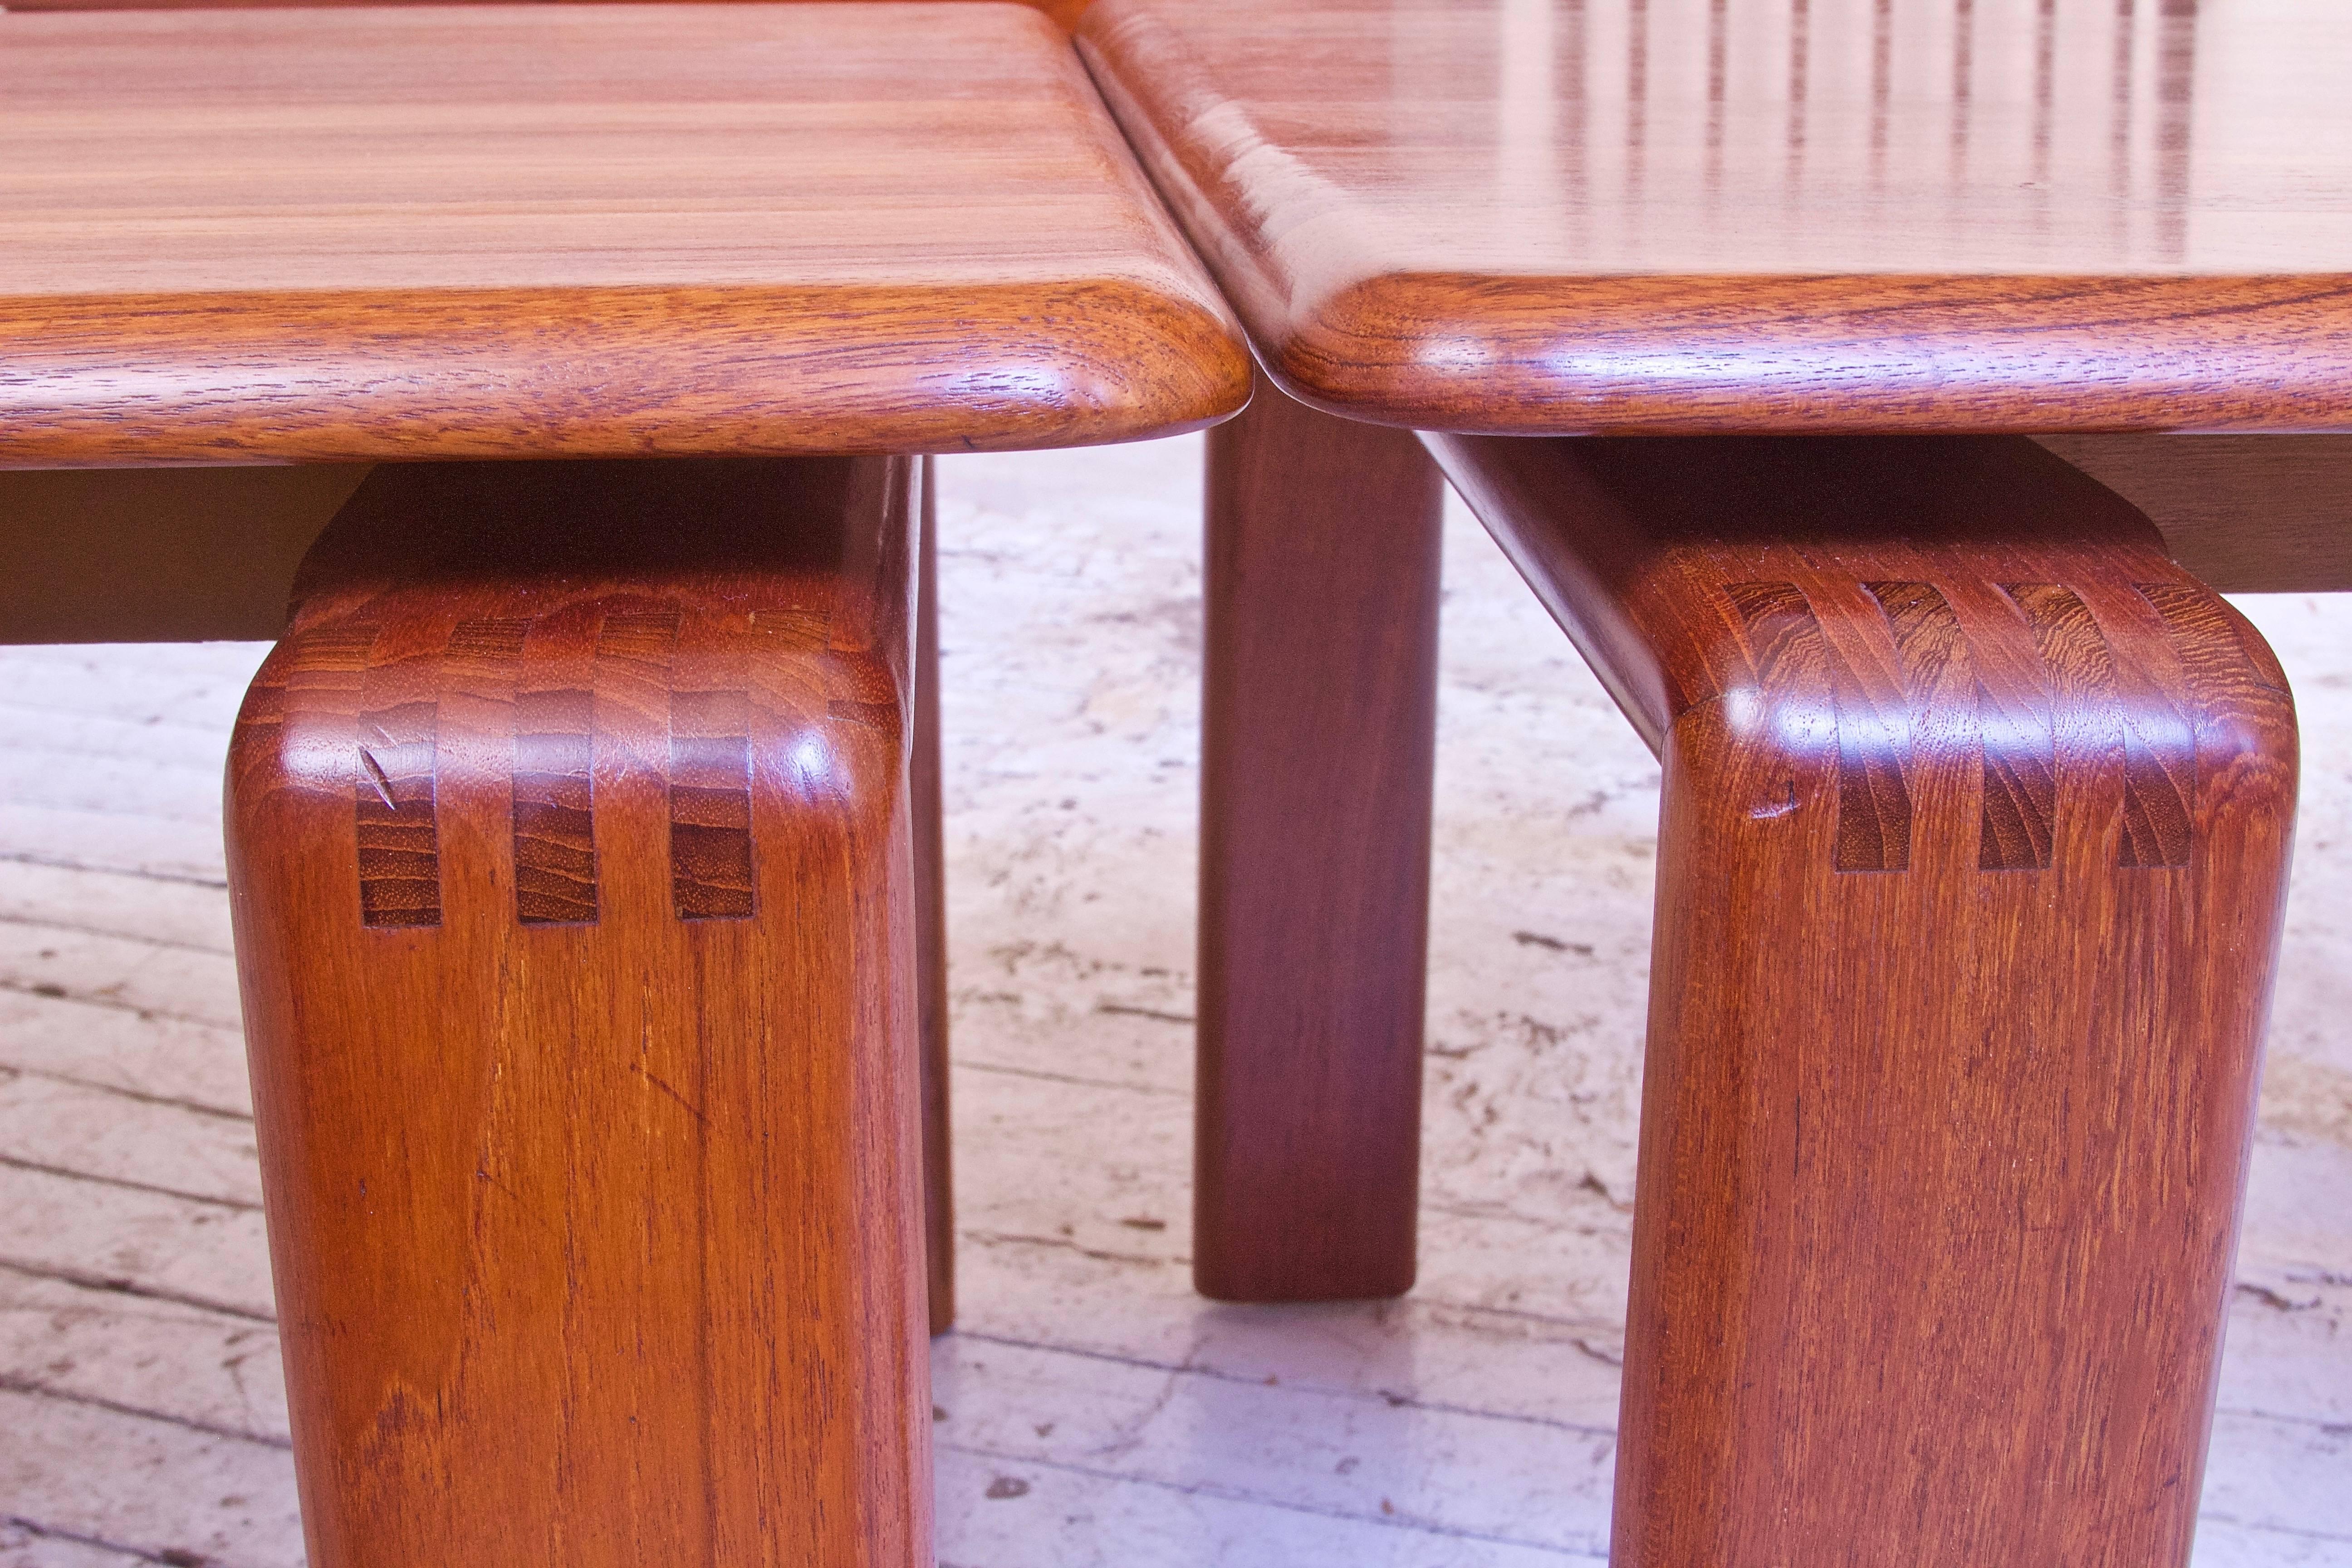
(931, 924)
(1319, 729)
(1971, 867)
(570, 857)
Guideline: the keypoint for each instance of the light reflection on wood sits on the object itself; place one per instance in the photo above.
(1753, 214)
(2078, 120)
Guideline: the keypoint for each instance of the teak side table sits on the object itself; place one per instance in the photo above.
(583, 825)
(1735, 323)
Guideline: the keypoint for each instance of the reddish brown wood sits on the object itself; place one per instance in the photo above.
(1971, 864)
(205, 554)
(332, 234)
(570, 855)
(1065, 12)
(2249, 514)
(1319, 714)
(931, 923)
(157, 554)
(1689, 216)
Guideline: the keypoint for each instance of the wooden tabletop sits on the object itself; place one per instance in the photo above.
(1065, 12)
(579, 230)
(1684, 215)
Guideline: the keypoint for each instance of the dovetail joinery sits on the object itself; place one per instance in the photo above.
(484, 653)
(709, 772)
(1877, 1107)
(399, 836)
(710, 804)
(396, 839)
(2018, 741)
(655, 1181)
(2060, 669)
(554, 773)
(2159, 766)
(1785, 652)
(708, 762)
(2132, 711)
(1925, 644)
(1824, 697)
(554, 792)
(554, 780)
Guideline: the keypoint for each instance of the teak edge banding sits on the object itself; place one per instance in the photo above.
(604, 372)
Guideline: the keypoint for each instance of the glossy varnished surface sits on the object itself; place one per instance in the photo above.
(1971, 863)
(1066, 12)
(1684, 216)
(1318, 736)
(568, 851)
(541, 230)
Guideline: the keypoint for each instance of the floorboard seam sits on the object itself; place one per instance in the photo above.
(142, 1096)
(140, 1554)
(1232, 1494)
(2328, 1535)
(1393, 1400)
(16, 1162)
(1065, 1077)
(147, 725)
(2335, 1428)
(54, 993)
(34, 923)
(120, 1287)
(57, 863)
(1064, 1244)
(13, 1383)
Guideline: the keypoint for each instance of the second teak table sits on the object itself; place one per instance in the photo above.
(1734, 322)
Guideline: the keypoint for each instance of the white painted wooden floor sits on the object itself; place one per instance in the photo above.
(1090, 1410)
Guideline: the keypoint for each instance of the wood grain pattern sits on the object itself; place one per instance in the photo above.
(1727, 215)
(1065, 12)
(1320, 729)
(595, 230)
(1971, 866)
(159, 554)
(569, 848)
(206, 554)
(2249, 514)
(925, 793)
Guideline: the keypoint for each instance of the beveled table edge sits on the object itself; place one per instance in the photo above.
(607, 372)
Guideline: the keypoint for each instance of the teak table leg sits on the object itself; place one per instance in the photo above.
(931, 924)
(1970, 869)
(1319, 713)
(569, 851)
